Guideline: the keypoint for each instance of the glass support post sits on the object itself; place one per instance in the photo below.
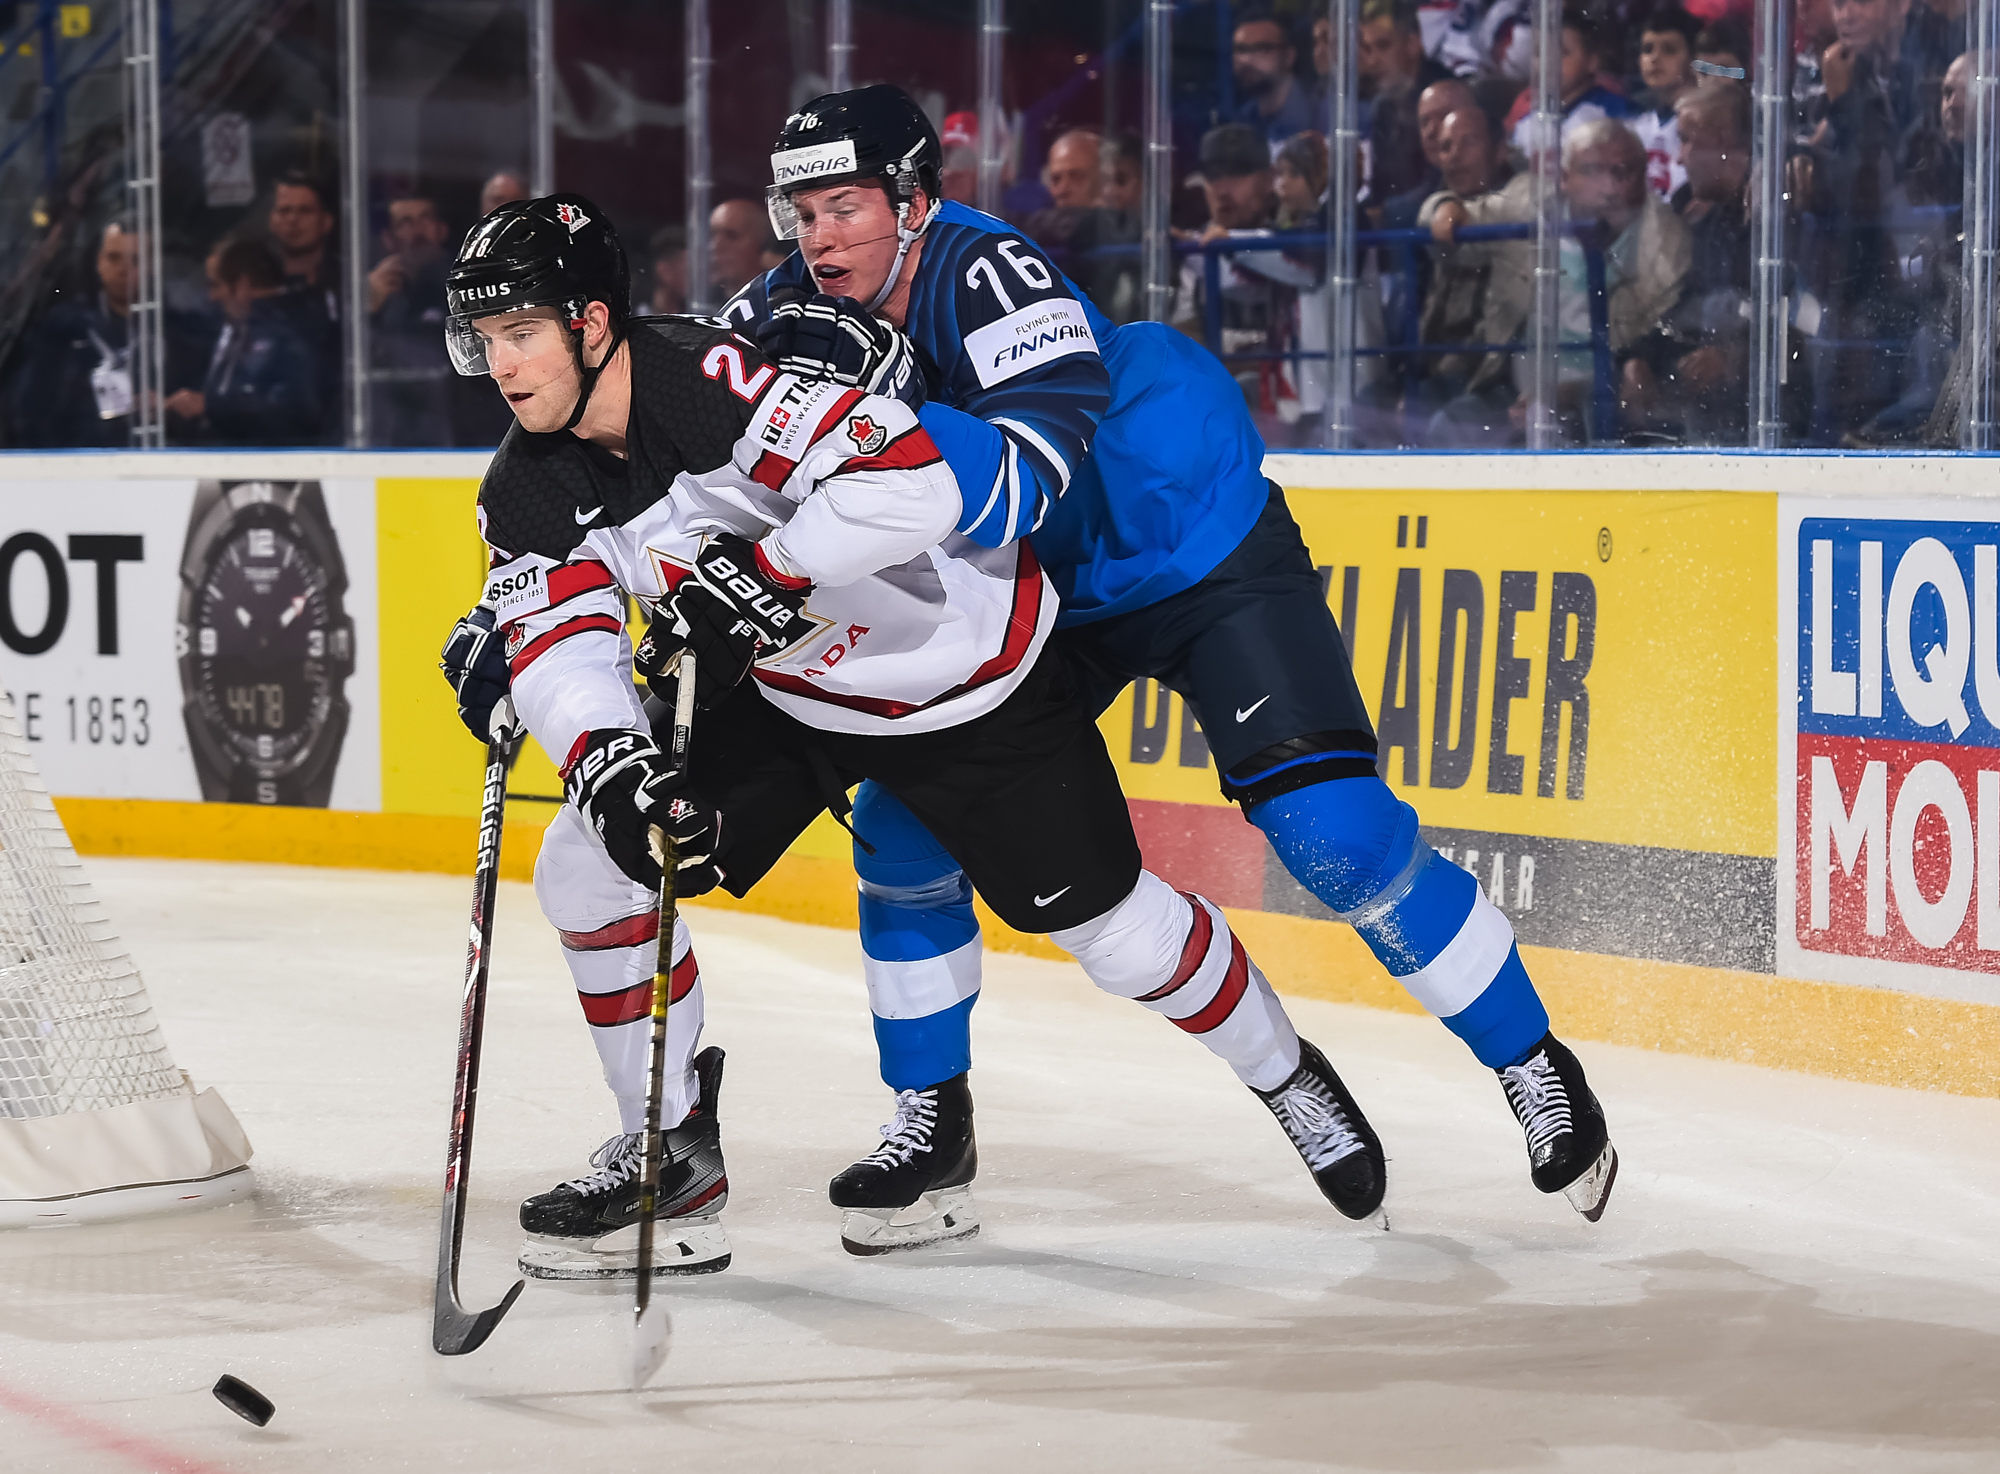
(147, 343)
(992, 143)
(1770, 141)
(700, 62)
(354, 212)
(1344, 16)
(542, 97)
(1157, 184)
(839, 45)
(1545, 156)
(1977, 430)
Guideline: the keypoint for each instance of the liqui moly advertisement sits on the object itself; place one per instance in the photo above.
(1889, 713)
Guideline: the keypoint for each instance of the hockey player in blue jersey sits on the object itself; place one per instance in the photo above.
(1127, 456)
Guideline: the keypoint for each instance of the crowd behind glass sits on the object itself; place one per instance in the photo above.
(1655, 284)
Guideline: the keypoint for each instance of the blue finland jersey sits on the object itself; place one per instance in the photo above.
(1126, 451)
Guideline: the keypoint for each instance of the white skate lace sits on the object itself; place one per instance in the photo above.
(1539, 1098)
(910, 1132)
(1316, 1124)
(617, 1162)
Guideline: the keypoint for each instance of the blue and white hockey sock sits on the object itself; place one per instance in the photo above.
(920, 944)
(1355, 845)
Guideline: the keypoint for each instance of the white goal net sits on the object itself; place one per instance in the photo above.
(95, 1118)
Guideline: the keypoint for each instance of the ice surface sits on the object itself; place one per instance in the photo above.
(1794, 1274)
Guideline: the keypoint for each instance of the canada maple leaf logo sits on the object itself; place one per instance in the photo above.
(574, 218)
(868, 437)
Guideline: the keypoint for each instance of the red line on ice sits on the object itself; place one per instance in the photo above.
(142, 1453)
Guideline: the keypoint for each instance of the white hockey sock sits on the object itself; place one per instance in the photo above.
(613, 970)
(1175, 954)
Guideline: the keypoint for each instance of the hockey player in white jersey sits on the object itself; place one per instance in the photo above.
(800, 534)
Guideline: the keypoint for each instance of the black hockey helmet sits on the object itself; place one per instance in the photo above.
(558, 251)
(872, 133)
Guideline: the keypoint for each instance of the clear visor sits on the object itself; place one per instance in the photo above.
(467, 347)
(470, 349)
(784, 214)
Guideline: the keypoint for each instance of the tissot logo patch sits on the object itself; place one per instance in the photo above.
(868, 437)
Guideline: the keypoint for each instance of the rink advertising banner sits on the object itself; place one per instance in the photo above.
(1890, 775)
(194, 639)
(1574, 690)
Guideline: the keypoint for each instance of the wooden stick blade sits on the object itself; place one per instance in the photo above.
(652, 1331)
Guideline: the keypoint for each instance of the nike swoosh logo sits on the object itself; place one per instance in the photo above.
(1044, 900)
(1243, 712)
(584, 519)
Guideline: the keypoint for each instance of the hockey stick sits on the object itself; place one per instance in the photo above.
(454, 1329)
(651, 1326)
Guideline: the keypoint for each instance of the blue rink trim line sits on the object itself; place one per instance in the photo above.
(1503, 1024)
(920, 1052)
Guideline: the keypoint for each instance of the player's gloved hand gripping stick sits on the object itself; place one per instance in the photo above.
(650, 1331)
(454, 1329)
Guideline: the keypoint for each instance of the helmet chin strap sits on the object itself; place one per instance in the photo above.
(905, 238)
(590, 374)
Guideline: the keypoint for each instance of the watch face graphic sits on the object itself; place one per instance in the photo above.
(264, 643)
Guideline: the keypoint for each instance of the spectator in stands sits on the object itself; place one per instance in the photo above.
(502, 189)
(1690, 375)
(1434, 104)
(1666, 66)
(1721, 55)
(1584, 96)
(262, 385)
(1393, 72)
(302, 224)
(959, 179)
(1473, 166)
(1073, 174)
(74, 386)
(411, 377)
(1646, 250)
(1236, 179)
(739, 243)
(1933, 171)
(1298, 178)
(668, 253)
(1275, 102)
(1103, 251)
(1489, 41)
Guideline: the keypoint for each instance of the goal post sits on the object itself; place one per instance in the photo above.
(96, 1120)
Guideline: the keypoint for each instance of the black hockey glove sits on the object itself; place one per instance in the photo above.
(821, 337)
(474, 660)
(621, 784)
(729, 611)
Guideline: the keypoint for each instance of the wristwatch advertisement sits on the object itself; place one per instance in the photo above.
(264, 643)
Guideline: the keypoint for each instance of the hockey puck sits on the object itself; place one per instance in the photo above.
(244, 1400)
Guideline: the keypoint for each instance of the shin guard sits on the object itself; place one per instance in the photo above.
(1175, 954)
(1355, 845)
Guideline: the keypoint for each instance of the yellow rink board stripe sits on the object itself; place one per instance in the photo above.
(1852, 1033)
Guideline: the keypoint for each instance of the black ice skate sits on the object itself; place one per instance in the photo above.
(916, 1187)
(1334, 1138)
(588, 1228)
(1569, 1149)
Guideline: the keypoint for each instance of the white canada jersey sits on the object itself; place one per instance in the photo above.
(914, 626)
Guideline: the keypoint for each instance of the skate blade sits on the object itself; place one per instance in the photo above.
(1590, 1192)
(935, 1218)
(680, 1246)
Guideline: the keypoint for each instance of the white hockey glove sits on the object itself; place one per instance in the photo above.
(821, 337)
(620, 782)
(474, 660)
